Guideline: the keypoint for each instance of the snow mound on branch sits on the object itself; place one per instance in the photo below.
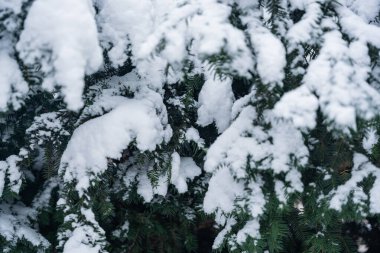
(85, 237)
(299, 105)
(136, 172)
(370, 139)
(123, 23)
(62, 37)
(269, 50)
(243, 148)
(13, 85)
(220, 196)
(79, 242)
(245, 139)
(15, 225)
(339, 78)
(183, 168)
(357, 28)
(225, 193)
(107, 136)
(215, 103)
(13, 5)
(351, 189)
(367, 11)
(168, 30)
(139, 174)
(307, 29)
(192, 134)
(10, 170)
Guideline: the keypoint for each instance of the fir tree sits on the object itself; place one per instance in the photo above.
(189, 126)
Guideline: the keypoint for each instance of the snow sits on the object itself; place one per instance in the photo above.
(3, 171)
(13, 87)
(162, 39)
(220, 196)
(205, 25)
(245, 143)
(107, 136)
(370, 139)
(43, 198)
(279, 188)
(229, 141)
(342, 88)
(14, 5)
(110, 93)
(351, 190)
(269, 51)
(294, 178)
(14, 174)
(287, 142)
(202, 24)
(306, 29)
(256, 200)
(134, 172)
(62, 37)
(192, 134)
(367, 11)
(270, 55)
(298, 105)
(15, 225)
(338, 77)
(122, 231)
(85, 237)
(122, 23)
(183, 168)
(234, 146)
(215, 102)
(44, 128)
(79, 242)
(144, 187)
(358, 28)
(251, 228)
(9, 169)
(221, 235)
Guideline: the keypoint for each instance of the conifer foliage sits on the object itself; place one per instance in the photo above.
(189, 125)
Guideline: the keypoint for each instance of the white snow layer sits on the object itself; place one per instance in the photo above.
(192, 134)
(79, 241)
(227, 158)
(15, 225)
(13, 86)
(225, 193)
(122, 24)
(220, 196)
(367, 11)
(215, 103)
(351, 189)
(338, 77)
(107, 136)
(202, 23)
(370, 139)
(183, 168)
(243, 139)
(14, 5)
(62, 37)
(9, 169)
(84, 238)
(269, 50)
